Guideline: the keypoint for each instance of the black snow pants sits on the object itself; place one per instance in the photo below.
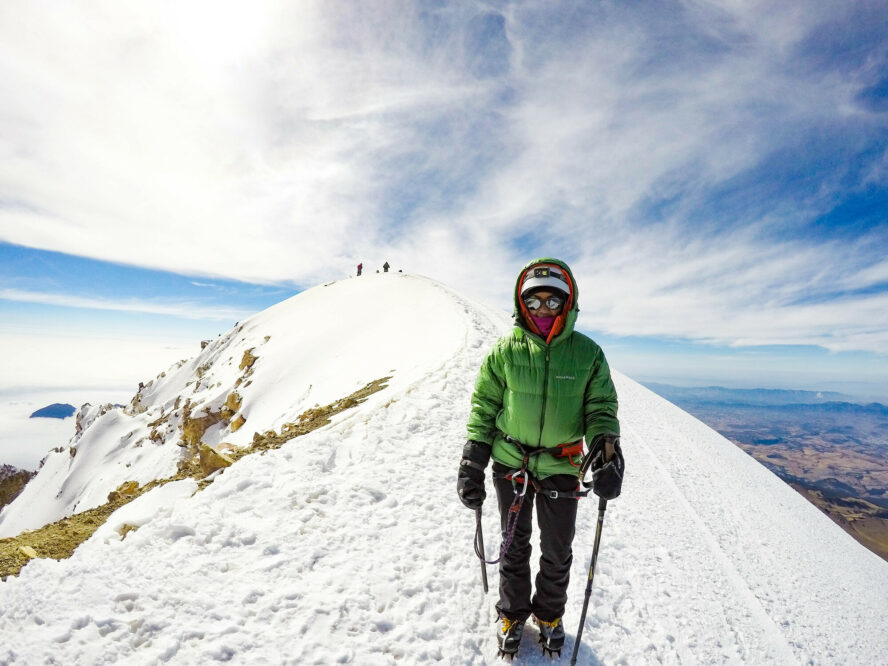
(556, 519)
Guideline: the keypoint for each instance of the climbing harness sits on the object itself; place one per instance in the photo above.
(521, 479)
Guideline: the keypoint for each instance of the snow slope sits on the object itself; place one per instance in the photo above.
(348, 545)
(311, 350)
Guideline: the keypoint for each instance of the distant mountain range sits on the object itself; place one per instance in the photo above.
(756, 397)
(826, 446)
(57, 410)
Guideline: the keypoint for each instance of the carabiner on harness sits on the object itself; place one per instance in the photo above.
(524, 480)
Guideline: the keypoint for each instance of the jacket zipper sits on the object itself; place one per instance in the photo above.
(545, 397)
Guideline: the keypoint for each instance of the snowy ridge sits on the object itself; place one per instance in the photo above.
(348, 545)
(290, 374)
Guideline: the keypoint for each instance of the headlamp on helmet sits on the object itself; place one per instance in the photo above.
(550, 277)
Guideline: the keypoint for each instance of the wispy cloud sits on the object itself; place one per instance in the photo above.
(184, 310)
(688, 159)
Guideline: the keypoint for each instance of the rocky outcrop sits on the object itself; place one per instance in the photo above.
(248, 360)
(195, 427)
(212, 460)
(87, 414)
(233, 403)
(125, 491)
(59, 539)
(136, 406)
(12, 482)
(247, 366)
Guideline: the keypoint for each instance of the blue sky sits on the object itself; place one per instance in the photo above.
(716, 173)
(35, 281)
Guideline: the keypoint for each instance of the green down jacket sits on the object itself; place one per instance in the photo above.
(542, 394)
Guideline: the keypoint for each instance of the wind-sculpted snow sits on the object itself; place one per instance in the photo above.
(348, 545)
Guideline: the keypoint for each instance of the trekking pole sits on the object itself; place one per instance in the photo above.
(602, 505)
(479, 547)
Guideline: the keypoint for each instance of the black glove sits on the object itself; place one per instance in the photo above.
(470, 478)
(606, 464)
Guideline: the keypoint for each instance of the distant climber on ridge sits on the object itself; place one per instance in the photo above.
(541, 389)
(385, 267)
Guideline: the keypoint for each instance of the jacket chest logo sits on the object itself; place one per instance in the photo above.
(570, 377)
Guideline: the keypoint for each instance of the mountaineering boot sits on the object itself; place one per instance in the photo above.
(551, 635)
(509, 636)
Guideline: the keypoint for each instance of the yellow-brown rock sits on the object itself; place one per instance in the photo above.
(128, 487)
(233, 401)
(238, 421)
(194, 428)
(125, 489)
(248, 360)
(211, 460)
(125, 529)
(226, 448)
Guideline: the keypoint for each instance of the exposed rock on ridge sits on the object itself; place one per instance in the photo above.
(12, 482)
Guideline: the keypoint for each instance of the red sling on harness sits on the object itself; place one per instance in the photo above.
(568, 450)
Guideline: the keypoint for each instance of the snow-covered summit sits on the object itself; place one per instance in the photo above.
(312, 349)
(348, 545)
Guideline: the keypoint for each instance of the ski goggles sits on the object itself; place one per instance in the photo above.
(551, 302)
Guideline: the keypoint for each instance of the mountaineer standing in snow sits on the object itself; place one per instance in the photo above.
(541, 389)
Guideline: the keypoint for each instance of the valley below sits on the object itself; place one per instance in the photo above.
(834, 453)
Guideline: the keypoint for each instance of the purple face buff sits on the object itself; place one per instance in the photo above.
(544, 324)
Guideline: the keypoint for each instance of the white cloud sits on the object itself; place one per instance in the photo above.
(185, 310)
(286, 142)
(82, 363)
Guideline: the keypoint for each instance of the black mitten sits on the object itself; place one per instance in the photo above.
(470, 478)
(606, 465)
